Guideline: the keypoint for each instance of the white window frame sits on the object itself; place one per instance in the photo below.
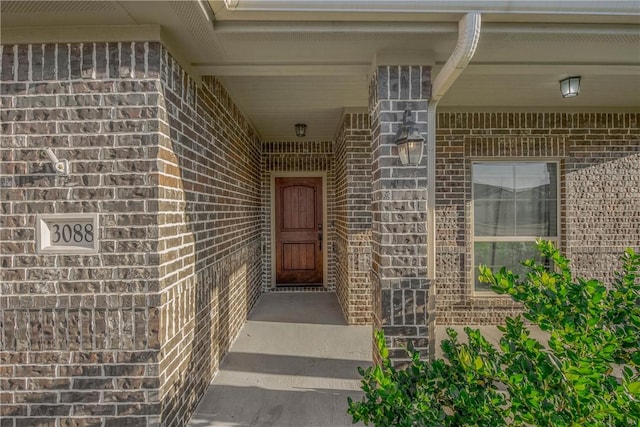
(556, 240)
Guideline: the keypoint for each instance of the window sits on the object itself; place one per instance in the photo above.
(514, 203)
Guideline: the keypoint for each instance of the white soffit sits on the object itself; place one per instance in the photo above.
(542, 92)
(306, 61)
(63, 13)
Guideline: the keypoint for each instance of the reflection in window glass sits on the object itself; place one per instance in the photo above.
(496, 255)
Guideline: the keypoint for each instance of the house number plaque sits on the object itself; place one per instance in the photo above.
(67, 233)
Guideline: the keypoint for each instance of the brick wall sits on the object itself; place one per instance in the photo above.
(399, 210)
(602, 188)
(133, 334)
(599, 157)
(78, 332)
(291, 157)
(209, 235)
(352, 206)
(111, 337)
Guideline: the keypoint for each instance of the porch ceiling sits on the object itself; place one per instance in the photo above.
(283, 66)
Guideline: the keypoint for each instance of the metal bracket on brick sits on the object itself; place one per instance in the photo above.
(60, 166)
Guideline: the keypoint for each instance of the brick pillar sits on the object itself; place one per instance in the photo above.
(80, 337)
(132, 334)
(352, 207)
(399, 208)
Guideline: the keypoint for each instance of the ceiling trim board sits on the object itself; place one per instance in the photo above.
(282, 69)
(541, 68)
(81, 34)
(248, 27)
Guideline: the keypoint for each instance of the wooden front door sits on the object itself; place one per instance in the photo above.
(299, 245)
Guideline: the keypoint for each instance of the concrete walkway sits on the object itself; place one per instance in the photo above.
(294, 364)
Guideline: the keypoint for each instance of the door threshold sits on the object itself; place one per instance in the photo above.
(294, 287)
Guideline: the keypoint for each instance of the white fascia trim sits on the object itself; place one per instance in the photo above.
(560, 7)
(559, 28)
(244, 27)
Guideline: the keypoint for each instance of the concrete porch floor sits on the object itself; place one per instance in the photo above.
(293, 364)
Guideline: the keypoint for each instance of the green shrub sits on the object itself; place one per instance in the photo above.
(588, 374)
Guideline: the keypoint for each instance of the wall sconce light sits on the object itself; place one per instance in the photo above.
(301, 129)
(570, 87)
(409, 141)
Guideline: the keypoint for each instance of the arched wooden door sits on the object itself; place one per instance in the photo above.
(298, 219)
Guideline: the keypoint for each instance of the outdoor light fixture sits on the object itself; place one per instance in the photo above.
(570, 87)
(301, 129)
(409, 141)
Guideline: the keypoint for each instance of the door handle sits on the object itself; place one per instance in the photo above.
(320, 239)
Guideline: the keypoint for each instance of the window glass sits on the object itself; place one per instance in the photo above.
(496, 255)
(493, 181)
(536, 218)
(514, 203)
(494, 218)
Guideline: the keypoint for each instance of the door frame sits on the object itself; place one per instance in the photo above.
(272, 225)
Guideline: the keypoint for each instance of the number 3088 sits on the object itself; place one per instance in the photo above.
(69, 233)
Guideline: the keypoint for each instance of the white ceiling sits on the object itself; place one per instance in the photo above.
(288, 66)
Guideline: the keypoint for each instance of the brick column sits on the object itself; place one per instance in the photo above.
(352, 207)
(79, 333)
(399, 208)
(130, 335)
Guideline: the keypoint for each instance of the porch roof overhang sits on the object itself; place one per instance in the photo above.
(285, 62)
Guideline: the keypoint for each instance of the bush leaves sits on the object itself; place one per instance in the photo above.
(588, 374)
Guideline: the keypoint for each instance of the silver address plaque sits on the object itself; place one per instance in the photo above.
(72, 233)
